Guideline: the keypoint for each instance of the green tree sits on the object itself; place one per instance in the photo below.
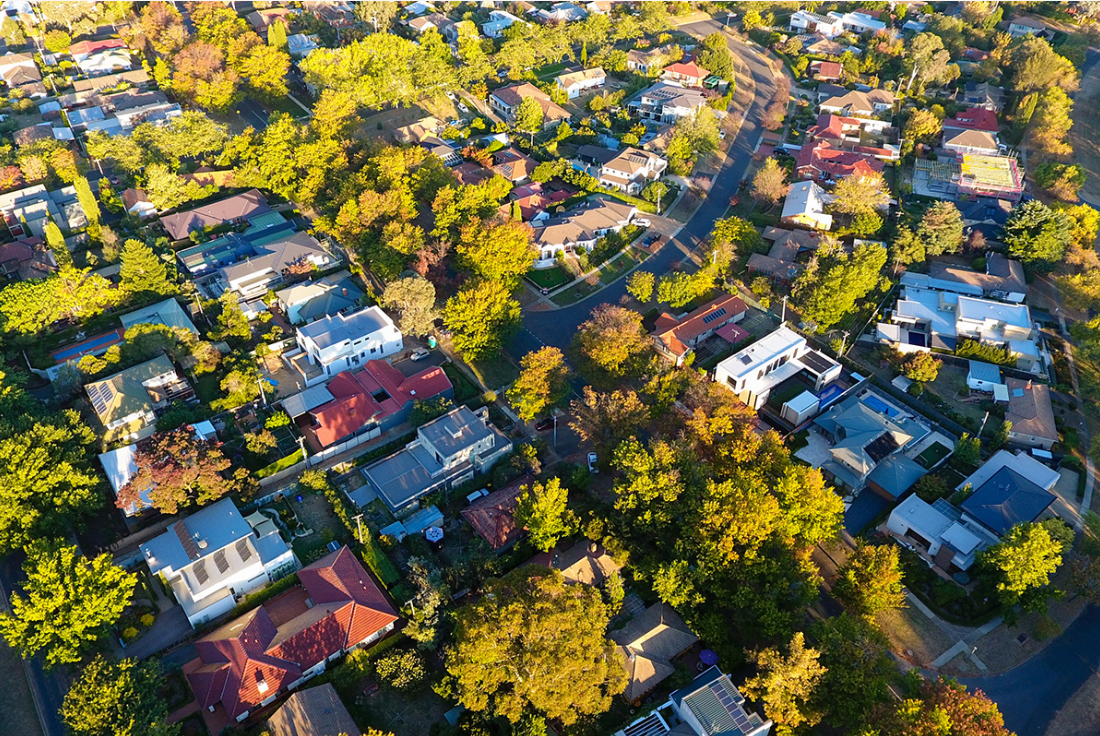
(481, 316)
(787, 683)
(142, 274)
(677, 289)
(55, 241)
(921, 367)
(1061, 180)
(613, 340)
(907, 248)
(166, 190)
(871, 580)
(858, 670)
(640, 285)
(502, 252)
(529, 117)
(674, 583)
(830, 288)
(941, 706)
(968, 450)
(89, 204)
(941, 229)
(921, 127)
(543, 510)
(414, 299)
(264, 70)
(1051, 122)
(1023, 560)
(426, 410)
(604, 419)
(276, 35)
(68, 603)
(769, 184)
(1038, 235)
(232, 323)
(855, 195)
(654, 191)
(541, 385)
(117, 699)
(535, 644)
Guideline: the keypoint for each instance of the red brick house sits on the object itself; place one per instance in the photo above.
(249, 662)
(823, 162)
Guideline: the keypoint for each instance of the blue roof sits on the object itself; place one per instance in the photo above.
(1007, 499)
(988, 372)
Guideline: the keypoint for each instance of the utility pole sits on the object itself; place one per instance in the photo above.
(359, 526)
(843, 342)
(783, 319)
(302, 447)
(555, 429)
(260, 383)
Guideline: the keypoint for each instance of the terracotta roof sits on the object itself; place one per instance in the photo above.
(354, 403)
(471, 173)
(492, 517)
(974, 118)
(513, 165)
(677, 334)
(822, 157)
(20, 251)
(584, 562)
(830, 69)
(317, 711)
(514, 94)
(691, 69)
(257, 655)
(832, 126)
(90, 47)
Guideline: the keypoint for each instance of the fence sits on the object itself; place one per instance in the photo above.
(276, 478)
(344, 446)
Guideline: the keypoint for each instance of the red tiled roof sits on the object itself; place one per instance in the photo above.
(677, 334)
(20, 251)
(263, 652)
(91, 47)
(691, 69)
(823, 158)
(829, 69)
(354, 404)
(974, 118)
(831, 126)
(492, 516)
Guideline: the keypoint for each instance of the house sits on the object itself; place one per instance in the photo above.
(125, 402)
(257, 265)
(648, 644)
(136, 202)
(865, 430)
(33, 134)
(857, 103)
(338, 342)
(803, 21)
(983, 94)
(300, 45)
(534, 199)
(781, 262)
(1003, 278)
(631, 170)
(925, 318)
(709, 706)
(754, 371)
(277, 646)
(817, 44)
(574, 84)
(843, 130)
(675, 337)
(1031, 414)
(826, 71)
(647, 62)
(447, 451)
(983, 377)
(506, 100)
(312, 300)
(584, 562)
(236, 209)
(20, 71)
(25, 259)
(493, 517)
(439, 22)
(580, 227)
(420, 7)
(599, 7)
(120, 467)
(971, 176)
(27, 211)
(426, 127)
(971, 141)
(441, 149)
(1008, 489)
(859, 22)
(336, 14)
(317, 711)
(168, 313)
(1022, 26)
(369, 401)
(214, 556)
(261, 20)
(108, 61)
(974, 118)
(498, 21)
(822, 162)
(940, 532)
(687, 74)
(471, 173)
(667, 102)
(564, 12)
(895, 476)
(513, 165)
(805, 206)
(83, 49)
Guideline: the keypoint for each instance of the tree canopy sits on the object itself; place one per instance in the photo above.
(117, 699)
(541, 384)
(543, 511)
(177, 469)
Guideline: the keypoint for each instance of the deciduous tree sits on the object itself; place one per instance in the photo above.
(940, 706)
(855, 195)
(640, 285)
(480, 317)
(830, 288)
(177, 469)
(1023, 560)
(541, 385)
(787, 684)
(769, 185)
(414, 299)
(858, 670)
(117, 699)
(613, 340)
(605, 419)
(501, 252)
(870, 581)
(543, 510)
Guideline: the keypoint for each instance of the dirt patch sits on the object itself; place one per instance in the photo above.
(405, 715)
(913, 637)
(1085, 133)
(1081, 714)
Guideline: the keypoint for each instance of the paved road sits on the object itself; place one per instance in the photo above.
(557, 327)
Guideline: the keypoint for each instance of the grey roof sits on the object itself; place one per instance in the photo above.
(277, 255)
(337, 328)
(317, 711)
(988, 372)
(401, 478)
(896, 475)
(673, 94)
(311, 398)
(168, 313)
(238, 207)
(1007, 499)
(717, 705)
(217, 525)
(455, 431)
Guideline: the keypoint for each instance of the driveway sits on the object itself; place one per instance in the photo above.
(170, 628)
(557, 327)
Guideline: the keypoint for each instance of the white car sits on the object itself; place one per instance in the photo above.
(461, 106)
(642, 222)
(722, 134)
(451, 96)
(592, 463)
(419, 354)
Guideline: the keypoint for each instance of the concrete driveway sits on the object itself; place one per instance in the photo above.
(170, 628)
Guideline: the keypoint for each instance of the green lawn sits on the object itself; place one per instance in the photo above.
(932, 455)
(548, 278)
(609, 272)
(280, 465)
(495, 373)
(463, 386)
(550, 71)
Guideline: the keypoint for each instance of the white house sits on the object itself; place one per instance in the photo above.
(215, 555)
(578, 228)
(753, 372)
(983, 377)
(498, 21)
(709, 706)
(574, 84)
(264, 266)
(858, 23)
(940, 531)
(342, 341)
(631, 170)
(805, 206)
(1020, 27)
(667, 102)
(805, 22)
(106, 62)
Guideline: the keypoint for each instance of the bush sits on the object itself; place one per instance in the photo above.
(147, 620)
(403, 670)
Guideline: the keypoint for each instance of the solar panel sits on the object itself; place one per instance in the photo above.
(200, 572)
(720, 312)
(243, 550)
(220, 561)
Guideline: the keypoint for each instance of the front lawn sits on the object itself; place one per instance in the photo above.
(495, 373)
(549, 278)
(932, 455)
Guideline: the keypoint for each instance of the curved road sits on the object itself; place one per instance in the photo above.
(558, 326)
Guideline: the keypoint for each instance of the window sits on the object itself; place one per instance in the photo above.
(373, 349)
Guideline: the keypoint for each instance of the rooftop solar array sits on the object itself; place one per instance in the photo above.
(101, 395)
(200, 572)
(221, 561)
(720, 312)
(244, 551)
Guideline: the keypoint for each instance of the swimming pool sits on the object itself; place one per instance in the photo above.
(91, 346)
(881, 406)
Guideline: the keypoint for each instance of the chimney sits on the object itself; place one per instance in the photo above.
(592, 547)
(345, 290)
(201, 544)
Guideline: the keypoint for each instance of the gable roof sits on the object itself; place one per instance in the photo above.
(1029, 409)
(493, 516)
(1007, 499)
(676, 333)
(276, 255)
(981, 139)
(690, 69)
(648, 643)
(238, 207)
(974, 118)
(567, 80)
(584, 562)
(514, 94)
(317, 711)
(168, 313)
(124, 393)
(837, 163)
(632, 160)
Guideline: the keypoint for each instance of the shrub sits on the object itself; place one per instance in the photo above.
(403, 670)
(129, 633)
(147, 620)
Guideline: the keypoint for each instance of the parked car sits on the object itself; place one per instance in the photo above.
(463, 108)
(652, 239)
(642, 221)
(419, 354)
(451, 96)
(592, 463)
(722, 135)
(780, 151)
(544, 424)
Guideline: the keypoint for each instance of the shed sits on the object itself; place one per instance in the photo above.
(983, 376)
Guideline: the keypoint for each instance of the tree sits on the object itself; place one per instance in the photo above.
(654, 191)
(787, 683)
(870, 581)
(55, 241)
(677, 289)
(606, 419)
(232, 322)
(1023, 560)
(167, 190)
(1061, 180)
(907, 248)
(117, 699)
(533, 643)
(68, 603)
(544, 512)
(264, 69)
(855, 195)
(480, 317)
(942, 706)
(1037, 235)
(414, 299)
(89, 204)
(276, 34)
(142, 274)
(858, 670)
(541, 384)
(968, 450)
(1034, 66)
(176, 469)
(941, 229)
(613, 340)
(502, 252)
(716, 56)
(695, 135)
(1051, 122)
(640, 285)
(380, 15)
(674, 583)
(930, 60)
(921, 367)
(769, 185)
(529, 117)
(829, 289)
(921, 127)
